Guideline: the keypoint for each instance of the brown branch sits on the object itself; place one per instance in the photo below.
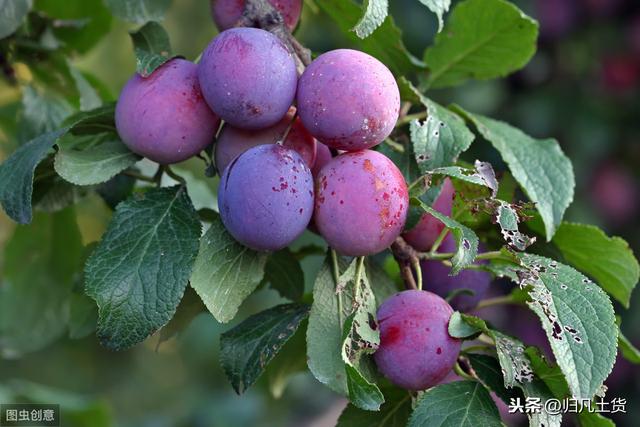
(406, 257)
(261, 14)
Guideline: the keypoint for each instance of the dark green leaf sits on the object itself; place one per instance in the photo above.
(539, 165)
(83, 316)
(290, 360)
(12, 12)
(190, 306)
(579, 321)
(99, 120)
(482, 39)
(488, 370)
(456, 404)
(608, 260)
(375, 11)
(592, 419)
(16, 175)
(39, 268)
(247, 349)
(140, 269)
(42, 112)
(466, 239)
(393, 413)
(385, 44)
(628, 350)
(285, 275)
(152, 48)
(139, 11)
(550, 374)
(225, 272)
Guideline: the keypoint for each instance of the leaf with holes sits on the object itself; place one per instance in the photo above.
(579, 321)
(482, 39)
(456, 404)
(539, 165)
(140, 269)
(375, 12)
(507, 218)
(608, 260)
(247, 349)
(466, 239)
(483, 175)
(152, 48)
(225, 272)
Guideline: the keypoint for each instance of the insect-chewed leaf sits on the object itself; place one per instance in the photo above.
(579, 321)
(247, 349)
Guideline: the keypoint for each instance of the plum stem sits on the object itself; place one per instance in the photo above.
(489, 302)
(174, 175)
(460, 372)
(439, 240)
(288, 129)
(138, 176)
(395, 146)
(418, 269)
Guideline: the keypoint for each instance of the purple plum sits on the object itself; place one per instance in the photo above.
(323, 156)
(164, 117)
(234, 141)
(426, 231)
(348, 100)
(416, 351)
(248, 77)
(436, 279)
(226, 13)
(266, 197)
(361, 202)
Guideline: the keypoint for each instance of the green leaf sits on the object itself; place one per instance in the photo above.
(89, 98)
(459, 327)
(375, 12)
(290, 360)
(139, 11)
(439, 141)
(490, 372)
(40, 262)
(404, 160)
(225, 272)
(466, 239)
(508, 219)
(593, 419)
(385, 44)
(628, 350)
(94, 17)
(482, 175)
(247, 349)
(608, 260)
(482, 39)
(190, 306)
(360, 339)
(16, 175)
(325, 332)
(92, 160)
(456, 404)
(285, 275)
(381, 284)
(439, 7)
(152, 48)
(98, 120)
(393, 413)
(42, 112)
(12, 12)
(579, 321)
(539, 165)
(140, 268)
(551, 374)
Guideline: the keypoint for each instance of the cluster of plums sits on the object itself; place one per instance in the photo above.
(285, 168)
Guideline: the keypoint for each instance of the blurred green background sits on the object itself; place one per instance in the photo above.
(581, 87)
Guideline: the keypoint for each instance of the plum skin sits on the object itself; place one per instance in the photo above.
(436, 279)
(361, 202)
(233, 141)
(348, 100)
(164, 117)
(416, 351)
(265, 197)
(323, 156)
(226, 13)
(248, 77)
(423, 235)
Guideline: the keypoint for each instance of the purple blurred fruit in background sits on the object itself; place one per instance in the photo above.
(226, 13)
